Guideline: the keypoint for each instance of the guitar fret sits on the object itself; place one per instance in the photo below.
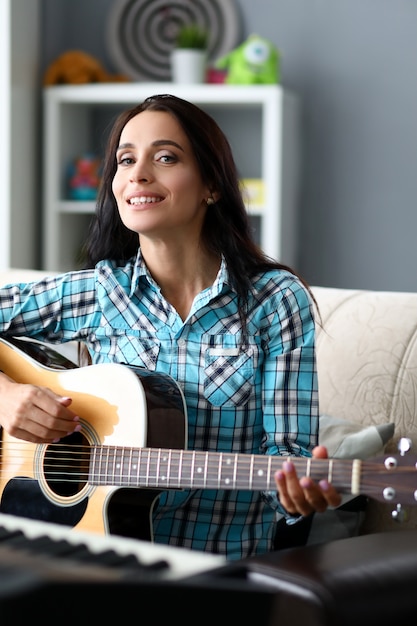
(181, 457)
(131, 466)
(205, 469)
(169, 467)
(356, 474)
(269, 472)
(112, 463)
(100, 467)
(330, 472)
(138, 464)
(139, 471)
(171, 476)
(251, 472)
(158, 464)
(234, 470)
(111, 467)
(192, 465)
(120, 465)
(93, 460)
(148, 462)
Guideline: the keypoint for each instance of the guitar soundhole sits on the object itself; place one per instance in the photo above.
(66, 465)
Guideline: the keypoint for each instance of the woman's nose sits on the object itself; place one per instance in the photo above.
(140, 172)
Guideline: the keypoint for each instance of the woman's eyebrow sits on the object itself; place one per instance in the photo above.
(158, 142)
(123, 146)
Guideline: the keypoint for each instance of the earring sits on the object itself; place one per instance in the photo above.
(210, 201)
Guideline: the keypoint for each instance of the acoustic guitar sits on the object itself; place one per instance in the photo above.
(132, 446)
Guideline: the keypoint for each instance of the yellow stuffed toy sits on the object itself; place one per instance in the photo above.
(76, 67)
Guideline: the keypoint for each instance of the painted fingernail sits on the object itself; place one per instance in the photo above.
(324, 485)
(288, 466)
(55, 440)
(76, 430)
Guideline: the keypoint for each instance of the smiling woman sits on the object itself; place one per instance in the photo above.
(175, 285)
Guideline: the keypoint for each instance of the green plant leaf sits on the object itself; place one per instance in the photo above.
(192, 36)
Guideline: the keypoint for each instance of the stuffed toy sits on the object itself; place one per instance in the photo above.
(76, 67)
(255, 61)
(84, 177)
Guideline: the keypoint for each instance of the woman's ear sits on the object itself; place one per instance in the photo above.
(213, 198)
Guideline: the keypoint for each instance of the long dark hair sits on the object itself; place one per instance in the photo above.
(227, 229)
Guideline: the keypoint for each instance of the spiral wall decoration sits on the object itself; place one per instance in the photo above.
(142, 33)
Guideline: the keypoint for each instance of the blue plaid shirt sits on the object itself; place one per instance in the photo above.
(258, 397)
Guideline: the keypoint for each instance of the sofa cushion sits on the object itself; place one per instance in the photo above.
(345, 439)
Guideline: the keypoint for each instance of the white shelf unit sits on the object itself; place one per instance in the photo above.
(261, 123)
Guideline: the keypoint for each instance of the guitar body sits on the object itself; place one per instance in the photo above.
(118, 405)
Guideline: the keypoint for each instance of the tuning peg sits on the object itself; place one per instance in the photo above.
(404, 445)
(399, 514)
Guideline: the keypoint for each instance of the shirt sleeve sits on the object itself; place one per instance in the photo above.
(290, 385)
(53, 309)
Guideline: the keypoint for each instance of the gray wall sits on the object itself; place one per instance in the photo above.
(353, 63)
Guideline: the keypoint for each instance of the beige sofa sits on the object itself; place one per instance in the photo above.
(367, 362)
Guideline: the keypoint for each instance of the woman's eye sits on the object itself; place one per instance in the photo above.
(166, 158)
(125, 160)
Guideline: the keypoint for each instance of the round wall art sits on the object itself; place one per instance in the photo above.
(142, 33)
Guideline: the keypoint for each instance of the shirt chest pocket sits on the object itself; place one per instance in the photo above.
(229, 375)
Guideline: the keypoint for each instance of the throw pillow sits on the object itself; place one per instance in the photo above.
(345, 439)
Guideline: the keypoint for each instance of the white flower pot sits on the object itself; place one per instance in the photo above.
(188, 65)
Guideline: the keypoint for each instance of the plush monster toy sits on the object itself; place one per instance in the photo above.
(255, 61)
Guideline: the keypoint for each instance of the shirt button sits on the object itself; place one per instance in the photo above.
(181, 342)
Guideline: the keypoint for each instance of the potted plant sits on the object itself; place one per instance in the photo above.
(189, 55)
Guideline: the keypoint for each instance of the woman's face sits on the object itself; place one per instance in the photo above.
(157, 185)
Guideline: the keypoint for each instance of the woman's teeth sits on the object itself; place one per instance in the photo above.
(144, 200)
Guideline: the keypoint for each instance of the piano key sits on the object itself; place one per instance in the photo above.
(131, 555)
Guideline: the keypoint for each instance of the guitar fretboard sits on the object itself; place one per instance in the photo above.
(176, 469)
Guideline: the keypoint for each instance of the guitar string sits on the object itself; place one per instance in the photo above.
(212, 465)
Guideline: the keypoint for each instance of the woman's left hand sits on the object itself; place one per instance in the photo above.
(303, 496)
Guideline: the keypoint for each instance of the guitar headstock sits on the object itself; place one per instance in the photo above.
(392, 478)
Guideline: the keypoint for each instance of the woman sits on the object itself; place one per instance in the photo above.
(175, 283)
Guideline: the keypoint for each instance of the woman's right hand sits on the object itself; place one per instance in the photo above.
(34, 413)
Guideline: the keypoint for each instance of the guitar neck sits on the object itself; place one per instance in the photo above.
(391, 479)
(179, 469)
